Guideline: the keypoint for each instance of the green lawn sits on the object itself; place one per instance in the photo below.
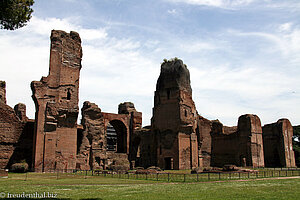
(113, 188)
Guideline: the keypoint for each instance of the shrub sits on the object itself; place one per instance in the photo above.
(155, 168)
(19, 167)
(197, 170)
(230, 168)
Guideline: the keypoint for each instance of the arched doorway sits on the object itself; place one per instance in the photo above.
(116, 136)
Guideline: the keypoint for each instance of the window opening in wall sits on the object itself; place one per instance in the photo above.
(168, 93)
(97, 159)
(77, 165)
(168, 164)
(68, 95)
(160, 150)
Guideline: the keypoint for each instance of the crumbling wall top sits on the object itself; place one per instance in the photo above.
(249, 123)
(91, 111)
(217, 128)
(174, 74)
(20, 110)
(2, 92)
(126, 108)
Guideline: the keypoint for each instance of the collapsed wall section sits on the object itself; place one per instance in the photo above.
(278, 145)
(107, 138)
(240, 146)
(10, 131)
(92, 152)
(3, 92)
(204, 141)
(15, 133)
(56, 101)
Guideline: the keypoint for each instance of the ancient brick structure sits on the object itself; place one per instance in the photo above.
(143, 148)
(15, 133)
(2, 92)
(278, 147)
(174, 120)
(241, 145)
(10, 131)
(56, 101)
(178, 137)
(92, 141)
(98, 149)
(204, 141)
(20, 110)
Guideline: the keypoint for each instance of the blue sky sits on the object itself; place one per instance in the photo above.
(243, 55)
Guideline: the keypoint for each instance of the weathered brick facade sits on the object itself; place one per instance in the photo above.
(240, 146)
(16, 133)
(10, 131)
(174, 120)
(278, 146)
(178, 138)
(56, 101)
(94, 152)
(3, 92)
(204, 141)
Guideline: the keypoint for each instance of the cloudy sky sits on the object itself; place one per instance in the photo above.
(243, 55)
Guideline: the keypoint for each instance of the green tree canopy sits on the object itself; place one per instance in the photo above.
(296, 144)
(15, 13)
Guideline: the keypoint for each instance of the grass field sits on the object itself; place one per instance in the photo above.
(98, 187)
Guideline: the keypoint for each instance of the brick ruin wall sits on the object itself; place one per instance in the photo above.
(94, 152)
(16, 133)
(178, 137)
(278, 145)
(174, 118)
(204, 141)
(240, 146)
(56, 101)
(10, 131)
(143, 148)
(3, 92)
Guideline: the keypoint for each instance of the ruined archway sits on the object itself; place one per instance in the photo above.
(118, 144)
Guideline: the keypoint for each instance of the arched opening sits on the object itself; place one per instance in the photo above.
(111, 137)
(117, 136)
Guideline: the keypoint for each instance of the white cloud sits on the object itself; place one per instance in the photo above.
(173, 11)
(197, 46)
(286, 40)
(225, 93)
(92, 34)
(117, 69)
(216, 3)
(264, 80)
(291, 6)
(113, 69)
(285, 27)
(42, 26)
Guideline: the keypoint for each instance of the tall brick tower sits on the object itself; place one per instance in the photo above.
(56, 101)
(174, 118)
